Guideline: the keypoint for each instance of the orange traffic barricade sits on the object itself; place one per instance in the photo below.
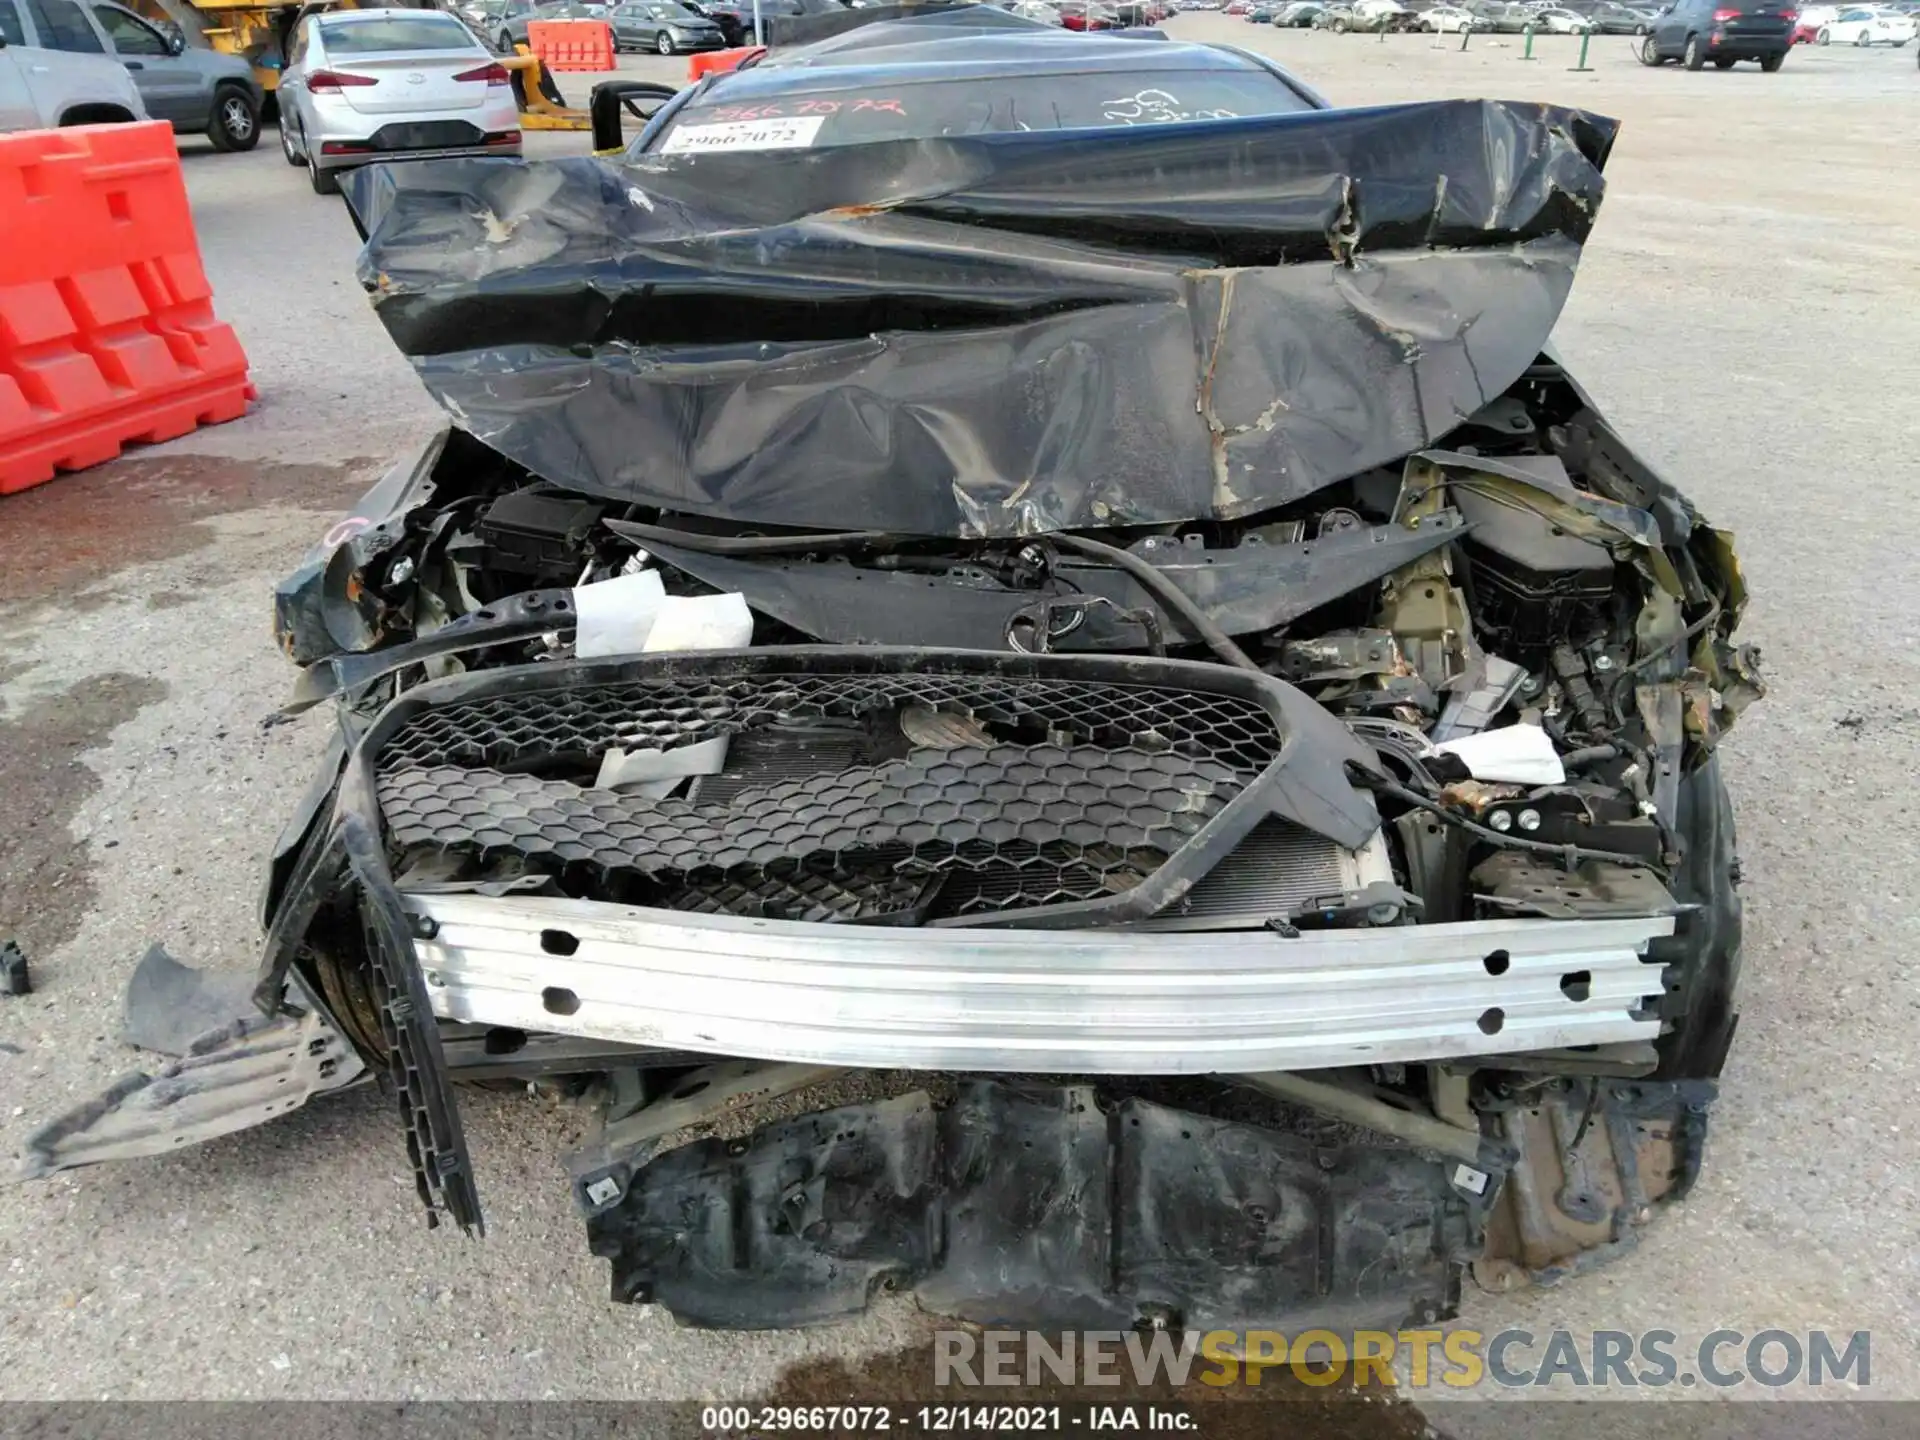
(107, 334)
(572, 44)
(714, 62)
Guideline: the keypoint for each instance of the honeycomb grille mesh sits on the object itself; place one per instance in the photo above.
(509, 731)
(1066, 792)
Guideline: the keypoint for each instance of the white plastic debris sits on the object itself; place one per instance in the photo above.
(654, 773)
(1515, 754)
(701, 622)
(616, 617)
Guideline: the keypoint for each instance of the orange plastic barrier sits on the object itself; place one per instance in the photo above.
(714, 62)
(572, 44)
(107, 332)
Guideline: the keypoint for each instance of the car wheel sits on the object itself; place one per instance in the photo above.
(1863, 40)
(664, 43)
(1649, 52)
(1693, 57)
(1340, 25)
(235, 123)
(1639, 29)
(1704, 950)
(324, 182)
(1771, 63)
(1825, 37)
(504, 42)
(286, 140)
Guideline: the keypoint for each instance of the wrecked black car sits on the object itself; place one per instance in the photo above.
(1020, 660)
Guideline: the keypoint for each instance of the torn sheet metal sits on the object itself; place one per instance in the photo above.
(998, 334)
(1248, 588)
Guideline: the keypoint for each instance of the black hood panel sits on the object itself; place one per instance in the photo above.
(995, 335)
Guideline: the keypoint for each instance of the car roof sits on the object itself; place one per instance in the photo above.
(333, 16)
(976, 42)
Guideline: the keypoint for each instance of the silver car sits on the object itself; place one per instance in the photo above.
(367, 85)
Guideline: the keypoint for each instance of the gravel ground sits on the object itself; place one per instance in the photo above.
(1745, 312)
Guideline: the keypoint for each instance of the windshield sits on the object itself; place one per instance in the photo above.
(982, 105)
(347, 36)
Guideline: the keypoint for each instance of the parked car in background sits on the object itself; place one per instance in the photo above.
(1806, 29)
(1259, 15)
(1450, 20)
(1502, 16)
(1298, 14)
(1079, 15)
(365, 85)
(1337, 17)
(197, 91)
(1556, 21)
(511, 22)
(662, 26)
(42, 87)
(1723, 31)
(1038, 11)
(735, 17)
(1620, 20)
(1373, 16)
(1862, 26)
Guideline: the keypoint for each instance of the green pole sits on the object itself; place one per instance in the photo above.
(1528, 32)
(1585, 36)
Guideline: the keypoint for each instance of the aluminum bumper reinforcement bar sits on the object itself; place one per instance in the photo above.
(1083, 1002)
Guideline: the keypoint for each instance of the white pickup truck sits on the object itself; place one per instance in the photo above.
(41, 88)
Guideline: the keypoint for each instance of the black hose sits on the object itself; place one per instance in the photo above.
(1162, 588)
(752, 544)
(1166, 592)
(1589, 755)
(1568, 853)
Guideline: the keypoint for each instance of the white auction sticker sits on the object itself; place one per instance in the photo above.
(790, 134)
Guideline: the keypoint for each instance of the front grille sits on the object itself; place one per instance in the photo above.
(846, 797)
(553, 727)
(426, 135)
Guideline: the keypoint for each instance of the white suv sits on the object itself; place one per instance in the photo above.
(41, 88)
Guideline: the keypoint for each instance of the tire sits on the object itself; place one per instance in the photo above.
(1825, 37)
(1693, 57)
(1341, 25)
(1704, 949)
(1649, 52)
(663, 43)
(1863, 41)
(1771, 63)
(235, 122)
(1640, 30)
(286, 141)
(324, 182)
(505, 42)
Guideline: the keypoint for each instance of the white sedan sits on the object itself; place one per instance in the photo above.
(1450, 19)
(367, 85)
(1861, 26)
(1561, 22)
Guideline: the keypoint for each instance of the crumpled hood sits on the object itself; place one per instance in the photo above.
(995, 335)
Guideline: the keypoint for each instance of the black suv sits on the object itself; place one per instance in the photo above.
(1722, 31)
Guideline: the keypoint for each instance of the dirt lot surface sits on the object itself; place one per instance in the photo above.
(1747, 312)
